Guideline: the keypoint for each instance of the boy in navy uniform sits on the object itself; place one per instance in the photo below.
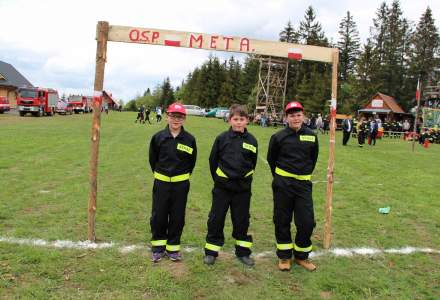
(232, 162)
(292, 157)
(173, 154)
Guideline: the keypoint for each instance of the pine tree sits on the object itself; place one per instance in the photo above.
(348, 46)
(167, 95)
(365, 68)
(288, 34)
(426, 46)
(147, 92)
(310, 30)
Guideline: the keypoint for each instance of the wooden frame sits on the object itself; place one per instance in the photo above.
(213, 42)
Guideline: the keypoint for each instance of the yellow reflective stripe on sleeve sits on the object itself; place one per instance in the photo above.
(220, 173)
(212, 247)
(243, 244)
(285, 246)
(173, 248)
(249, 173)
(185, 148)
(287, 174)
(177, 178)
(159, 243)
(300, 249)
(250, 147)
(307, 138)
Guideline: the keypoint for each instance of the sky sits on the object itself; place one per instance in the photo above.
(52, 42)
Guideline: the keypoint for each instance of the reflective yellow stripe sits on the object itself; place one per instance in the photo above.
(243, 244)
(220, 173)
(185, 148)
(177, 178)
(307, 138)
(249, 173)
(287, 174)
(159, 243)
(285, 246)
(250, 147)
(173, 248)
(212, 247)
(299, 249)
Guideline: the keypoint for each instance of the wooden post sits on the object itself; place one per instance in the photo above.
(101, 54)
(331, 159)
(417, 114)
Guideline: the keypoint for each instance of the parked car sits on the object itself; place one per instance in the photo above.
(194, 110)
(221, 113)
(64, 108)
(4, 104)
(212, 113)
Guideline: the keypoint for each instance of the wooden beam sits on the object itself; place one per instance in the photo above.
(331, 159)
(217, 42)
(101, 55)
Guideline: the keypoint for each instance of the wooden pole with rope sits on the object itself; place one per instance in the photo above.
(101, 56)
(331, 159)
(417, 114)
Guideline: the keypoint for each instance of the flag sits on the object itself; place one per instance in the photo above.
(172, 40)
(418, 91)
(294, 53)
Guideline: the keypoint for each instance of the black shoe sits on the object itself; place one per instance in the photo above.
(209, 259)
(246, 260)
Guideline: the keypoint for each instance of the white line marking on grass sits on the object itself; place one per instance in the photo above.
(339, 252)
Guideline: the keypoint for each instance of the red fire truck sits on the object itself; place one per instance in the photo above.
(37, 101)
(80, 103)
(4, 104)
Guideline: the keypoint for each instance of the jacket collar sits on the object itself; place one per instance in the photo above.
(232, 133)
(291, 131)
(168, 132)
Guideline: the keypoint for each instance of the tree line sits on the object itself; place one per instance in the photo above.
(395, 55)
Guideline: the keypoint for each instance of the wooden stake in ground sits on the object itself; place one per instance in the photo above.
(417, 114)
(331, 159)
(101, 54)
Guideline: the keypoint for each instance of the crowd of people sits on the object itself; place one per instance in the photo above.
(143, 115)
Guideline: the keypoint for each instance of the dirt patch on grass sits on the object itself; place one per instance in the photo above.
(178, 270)
(40, 209)
(325, 295)
(238, 278)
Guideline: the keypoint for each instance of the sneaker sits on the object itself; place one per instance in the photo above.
(209, 259)
(175, 256)
(156, 256)
(284, 264)
(306, 264)
(246, 260)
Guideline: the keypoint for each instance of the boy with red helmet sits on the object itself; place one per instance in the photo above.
(172, 155)
(292, 157)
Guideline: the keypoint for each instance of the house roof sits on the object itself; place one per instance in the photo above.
(388, 103)
(9, 76)
(109, 96)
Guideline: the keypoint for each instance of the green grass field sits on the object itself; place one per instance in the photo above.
(44, 195)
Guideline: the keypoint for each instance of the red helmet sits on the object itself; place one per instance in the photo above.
(176, 108)
(294, 105)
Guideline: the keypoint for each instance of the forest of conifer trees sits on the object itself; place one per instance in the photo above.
(395, 55)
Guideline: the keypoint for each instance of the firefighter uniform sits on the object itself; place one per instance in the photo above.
(292, 158)
(232, 162)
(172, 161)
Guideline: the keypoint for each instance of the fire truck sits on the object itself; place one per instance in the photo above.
(80, 103)
(37, 101)
(4, 104)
